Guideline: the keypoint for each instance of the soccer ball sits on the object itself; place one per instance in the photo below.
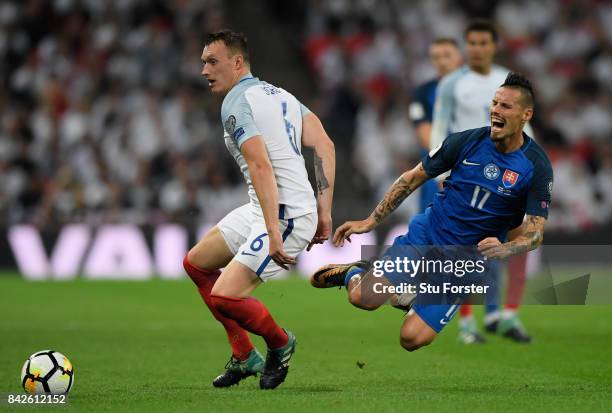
(47, 371)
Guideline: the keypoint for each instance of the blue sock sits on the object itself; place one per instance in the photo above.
(352, 272)
(492, 279)
(491, 308)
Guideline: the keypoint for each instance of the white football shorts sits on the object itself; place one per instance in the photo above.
(246, 236)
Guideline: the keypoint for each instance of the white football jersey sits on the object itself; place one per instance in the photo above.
(463, 99)
(252, 108)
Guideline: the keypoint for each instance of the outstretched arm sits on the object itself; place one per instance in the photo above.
(315, 137)
(406, 184)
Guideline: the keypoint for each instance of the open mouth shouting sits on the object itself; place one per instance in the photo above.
(497, 124)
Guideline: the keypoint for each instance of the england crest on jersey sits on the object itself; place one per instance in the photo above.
(509, 178)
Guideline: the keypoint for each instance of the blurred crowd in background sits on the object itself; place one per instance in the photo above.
(104, 116)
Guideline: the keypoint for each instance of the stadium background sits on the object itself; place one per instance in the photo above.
(112, 162)
(105, 117)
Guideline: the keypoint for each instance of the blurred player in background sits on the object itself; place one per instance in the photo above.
(462, 102)
(265, 128)
(499, 176)
(445, 57)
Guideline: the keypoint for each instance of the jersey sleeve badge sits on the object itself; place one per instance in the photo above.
(230, 125)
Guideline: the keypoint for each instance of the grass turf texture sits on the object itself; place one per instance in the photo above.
(153, 346)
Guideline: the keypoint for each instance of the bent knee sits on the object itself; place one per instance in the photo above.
(210, 253)
(195, 257)
(200, 259)
(414, 343)
(414, 338)
(201, 277)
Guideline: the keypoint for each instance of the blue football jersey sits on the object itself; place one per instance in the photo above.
(488, 192)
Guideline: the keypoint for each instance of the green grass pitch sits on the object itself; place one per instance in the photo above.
(153, 346)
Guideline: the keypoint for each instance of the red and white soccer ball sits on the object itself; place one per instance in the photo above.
(47, 372)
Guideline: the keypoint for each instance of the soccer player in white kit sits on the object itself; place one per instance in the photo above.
(462, 102)
(264, 130)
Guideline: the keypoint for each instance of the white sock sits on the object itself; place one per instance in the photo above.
(467, 321)
(508, 313)
(492, 317)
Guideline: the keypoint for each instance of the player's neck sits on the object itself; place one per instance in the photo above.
(510, 144)
(481, 70)
(239, 76)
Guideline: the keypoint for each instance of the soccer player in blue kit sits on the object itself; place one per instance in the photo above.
(462, 102)
(499, 176)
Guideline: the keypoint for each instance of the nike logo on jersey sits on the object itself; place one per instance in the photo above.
(468, 163)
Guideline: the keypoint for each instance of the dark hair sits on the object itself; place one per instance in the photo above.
(518, 81)
(446, 40)
(481, 25)
(236, 42)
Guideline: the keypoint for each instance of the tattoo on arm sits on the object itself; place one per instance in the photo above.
(531, 238)
(322, 182)
(399, 191)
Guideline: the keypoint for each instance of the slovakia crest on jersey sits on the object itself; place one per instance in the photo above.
(509, 178)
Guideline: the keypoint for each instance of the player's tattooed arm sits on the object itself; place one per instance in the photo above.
(406, 184)
(531, 238)
(324, 154)
(321, 180)
(315, 137)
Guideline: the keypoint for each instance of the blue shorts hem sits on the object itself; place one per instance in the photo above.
(435, 328)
